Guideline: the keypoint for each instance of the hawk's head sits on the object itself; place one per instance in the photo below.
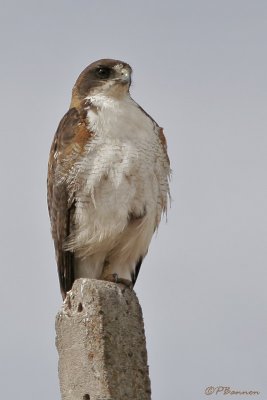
(104, 77)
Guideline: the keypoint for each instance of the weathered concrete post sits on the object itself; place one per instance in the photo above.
(101, 344)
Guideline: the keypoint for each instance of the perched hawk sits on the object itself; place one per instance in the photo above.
(107, 179)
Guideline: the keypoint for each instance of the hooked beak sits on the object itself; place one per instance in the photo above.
(123, 75)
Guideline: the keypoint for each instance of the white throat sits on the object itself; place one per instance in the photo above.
(102, 100)
(117, 117)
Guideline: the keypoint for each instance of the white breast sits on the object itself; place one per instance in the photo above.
(124, 172)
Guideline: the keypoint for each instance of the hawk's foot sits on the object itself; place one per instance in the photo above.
(123, 283)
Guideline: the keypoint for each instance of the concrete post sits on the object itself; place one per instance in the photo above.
(101, 344)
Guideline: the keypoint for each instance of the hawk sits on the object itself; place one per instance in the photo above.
(108, 179)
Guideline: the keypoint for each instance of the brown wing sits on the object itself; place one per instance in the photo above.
(163, 142)
(68, 145)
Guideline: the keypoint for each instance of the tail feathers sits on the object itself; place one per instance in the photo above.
(134, 274)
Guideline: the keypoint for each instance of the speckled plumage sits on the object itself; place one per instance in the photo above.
(107, 179)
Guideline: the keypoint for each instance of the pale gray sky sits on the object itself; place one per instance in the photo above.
(200, 71)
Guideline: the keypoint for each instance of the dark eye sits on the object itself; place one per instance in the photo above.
(103, 72)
